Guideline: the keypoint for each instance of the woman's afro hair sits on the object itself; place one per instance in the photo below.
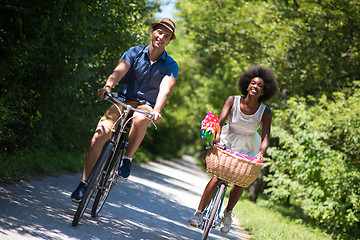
(270, 83)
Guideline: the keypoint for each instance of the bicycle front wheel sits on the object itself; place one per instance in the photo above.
(213, 211)
(93, 182)
(107, 183)
(110, 177)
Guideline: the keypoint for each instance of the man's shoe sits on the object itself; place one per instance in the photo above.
(77, 195)
(125, 168)
(226, 222)
(196, 219)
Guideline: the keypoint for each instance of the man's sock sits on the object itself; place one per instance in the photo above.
(85, 183)
(125, 157)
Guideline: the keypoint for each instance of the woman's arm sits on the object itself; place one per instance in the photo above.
(265, 134)
(223, 115)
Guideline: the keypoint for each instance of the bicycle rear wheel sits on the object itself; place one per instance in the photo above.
(93, 182)
(213, 211)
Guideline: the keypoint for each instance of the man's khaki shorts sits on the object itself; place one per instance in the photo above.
(112, 114)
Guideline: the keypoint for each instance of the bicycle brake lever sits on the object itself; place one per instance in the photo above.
(222, 146)
(107, 95)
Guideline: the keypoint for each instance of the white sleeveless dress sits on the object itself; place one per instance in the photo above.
(240, 134)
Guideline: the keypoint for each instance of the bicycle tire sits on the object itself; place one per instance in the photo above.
(93, 181)
(214, 209)
(106, 185)
(109, 179)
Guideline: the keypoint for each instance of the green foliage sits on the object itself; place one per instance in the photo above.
(38, 162)
(223, 46)
(312, 47)
(317, 161)
(315, 47)
(54, 55)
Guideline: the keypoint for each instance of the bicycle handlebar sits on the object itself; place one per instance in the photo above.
(218, 145)
(113, 96)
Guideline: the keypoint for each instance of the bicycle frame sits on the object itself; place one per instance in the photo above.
(208, 207)
(118, 144)
(104, 174)
(211, 219)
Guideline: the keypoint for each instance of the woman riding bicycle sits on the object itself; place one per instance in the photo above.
(246, 114)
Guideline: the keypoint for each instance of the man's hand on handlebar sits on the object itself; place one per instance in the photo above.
(157, 116)
(102, 91)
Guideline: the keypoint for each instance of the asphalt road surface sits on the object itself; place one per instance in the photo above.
(155, 203)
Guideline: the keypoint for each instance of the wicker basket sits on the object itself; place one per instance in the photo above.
(231, 168)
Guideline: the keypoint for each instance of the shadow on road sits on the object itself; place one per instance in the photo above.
(155, 203)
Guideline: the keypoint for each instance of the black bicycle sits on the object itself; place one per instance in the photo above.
(104, 175)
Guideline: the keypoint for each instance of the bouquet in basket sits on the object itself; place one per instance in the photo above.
(210, 126)
(227, 164)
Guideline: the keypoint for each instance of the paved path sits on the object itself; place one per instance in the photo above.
(155, 203)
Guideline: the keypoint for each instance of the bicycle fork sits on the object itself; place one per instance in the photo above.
(208, 208)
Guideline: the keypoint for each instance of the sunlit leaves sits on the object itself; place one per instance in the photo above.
(318, 155)
(54, 55)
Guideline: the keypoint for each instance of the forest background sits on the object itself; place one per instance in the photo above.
(55, 54)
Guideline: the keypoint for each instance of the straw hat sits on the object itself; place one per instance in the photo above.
(168, 23)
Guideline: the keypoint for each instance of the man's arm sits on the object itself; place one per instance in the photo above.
(119, 72)
(165, 87)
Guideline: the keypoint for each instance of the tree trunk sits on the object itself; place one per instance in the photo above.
(258, 185)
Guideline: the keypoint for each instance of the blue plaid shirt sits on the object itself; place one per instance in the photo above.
(142, 81)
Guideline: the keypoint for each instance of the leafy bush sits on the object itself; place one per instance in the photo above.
(54, 55)
(317, 162)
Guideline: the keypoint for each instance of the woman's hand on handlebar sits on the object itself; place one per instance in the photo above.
(216, 141)
(217, 137)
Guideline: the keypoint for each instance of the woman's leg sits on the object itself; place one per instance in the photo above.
(209, 192)
(235, 195)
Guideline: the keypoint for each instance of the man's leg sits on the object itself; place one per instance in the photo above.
(101, 135)
(136, 135)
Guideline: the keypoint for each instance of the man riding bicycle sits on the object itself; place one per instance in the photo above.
(147, 75)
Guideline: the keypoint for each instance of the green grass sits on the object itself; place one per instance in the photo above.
(37, 163)
(44, 162)
(266, 222)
